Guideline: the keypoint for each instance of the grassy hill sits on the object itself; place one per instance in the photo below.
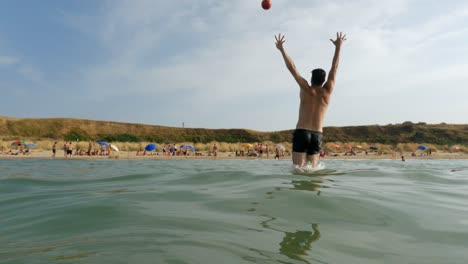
(72, 129)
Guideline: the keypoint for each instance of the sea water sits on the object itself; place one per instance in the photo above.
(233, 211)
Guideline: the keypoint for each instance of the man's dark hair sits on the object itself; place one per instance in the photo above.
(318, 77)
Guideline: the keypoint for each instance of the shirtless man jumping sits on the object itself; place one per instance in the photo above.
(315, 98)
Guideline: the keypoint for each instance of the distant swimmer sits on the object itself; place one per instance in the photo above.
(314, 100)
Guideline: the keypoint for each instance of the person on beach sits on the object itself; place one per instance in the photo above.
(215, 150)
(90, 148)
(172, 150)
(70, 150)
(54, 149)
(314, 100)
(103, 150)
(65, 149)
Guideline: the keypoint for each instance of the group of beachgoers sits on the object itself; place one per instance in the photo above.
(21, 151)
(69, 150)
(174, 150)
(261, 150)
(169, 150)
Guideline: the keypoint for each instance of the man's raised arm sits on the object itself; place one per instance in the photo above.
(330, 84)
(289, 63)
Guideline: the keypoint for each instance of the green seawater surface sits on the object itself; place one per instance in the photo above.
(233, 211)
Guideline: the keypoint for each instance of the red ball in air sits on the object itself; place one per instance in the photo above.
(266, 4)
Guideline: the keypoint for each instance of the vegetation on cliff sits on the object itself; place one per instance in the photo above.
(73, 129)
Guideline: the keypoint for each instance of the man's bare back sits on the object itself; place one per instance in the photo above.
(314, 100)
(312, 109)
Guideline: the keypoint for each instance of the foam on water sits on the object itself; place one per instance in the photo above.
(308, 168)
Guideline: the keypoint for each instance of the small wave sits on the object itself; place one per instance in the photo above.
(23, 181)
(53, 181)
(130, 177)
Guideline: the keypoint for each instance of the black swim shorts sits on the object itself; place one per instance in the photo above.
(307, 141)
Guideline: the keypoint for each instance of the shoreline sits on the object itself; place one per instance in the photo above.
(123, 155)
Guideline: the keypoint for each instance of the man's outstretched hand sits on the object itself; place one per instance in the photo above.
(279, 41)
(340, 39)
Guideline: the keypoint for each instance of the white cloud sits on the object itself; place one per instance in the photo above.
(32, 74)
(216, 52)
(8, 60)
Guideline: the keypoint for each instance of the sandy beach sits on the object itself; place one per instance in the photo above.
(46, 154)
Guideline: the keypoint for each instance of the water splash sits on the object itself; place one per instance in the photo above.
(308, 168)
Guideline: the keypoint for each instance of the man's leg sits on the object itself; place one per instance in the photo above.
(300, 141)
(314, 148)
(299, 158)
(313, 159)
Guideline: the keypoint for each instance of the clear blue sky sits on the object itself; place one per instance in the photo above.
(213, 63)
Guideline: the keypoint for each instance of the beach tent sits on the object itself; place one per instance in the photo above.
(30, 145)
(150, 147)
(191, 148)
(422, 147)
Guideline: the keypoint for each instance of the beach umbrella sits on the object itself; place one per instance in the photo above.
(247, 145)
(103, 143)
(114, 147)
(18, 143)
(31, 145)
(280, 147)
(191, 148)
(422, 147)
(150, 147)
